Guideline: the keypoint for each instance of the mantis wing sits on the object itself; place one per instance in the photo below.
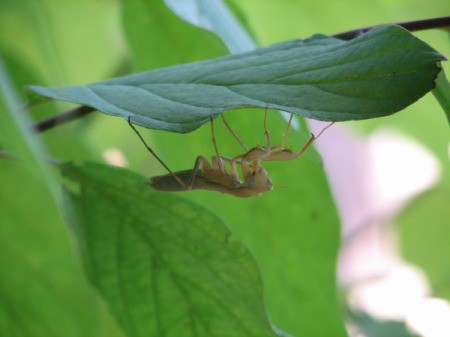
(168, 183)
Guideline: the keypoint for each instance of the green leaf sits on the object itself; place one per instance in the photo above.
(62, 58)
(43, 290)
(442, 93)
(216, 16)
(424, 231)
(372, 327)
(324, 78)
(165, 265)
(152, 29)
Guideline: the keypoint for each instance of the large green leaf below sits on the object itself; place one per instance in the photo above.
(164, 265)
(324, 78)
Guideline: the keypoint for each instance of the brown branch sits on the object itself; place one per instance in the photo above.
(441, 22)
(62, 118)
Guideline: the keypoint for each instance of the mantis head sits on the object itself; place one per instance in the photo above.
(259, 181)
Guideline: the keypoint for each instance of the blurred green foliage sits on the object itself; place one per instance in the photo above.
(423, 121)
(372, 327)
(164, 264)
(293, 233)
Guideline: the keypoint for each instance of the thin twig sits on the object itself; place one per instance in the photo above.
(62, 118)
(441, 22)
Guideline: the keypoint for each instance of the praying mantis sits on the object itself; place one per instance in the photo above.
(215, 177)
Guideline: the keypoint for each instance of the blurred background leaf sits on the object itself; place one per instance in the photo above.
(153, 30)
(42, 289)
(292, 232)
(372, 327)
(424, 237)
(442, 93)
(164, 264)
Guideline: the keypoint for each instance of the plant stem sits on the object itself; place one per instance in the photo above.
(62, 118)
(412, 26)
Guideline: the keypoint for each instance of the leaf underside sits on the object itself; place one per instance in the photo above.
(324, 78)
